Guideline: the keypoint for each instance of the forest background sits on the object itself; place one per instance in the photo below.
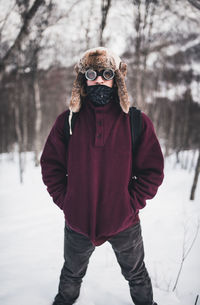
(42, 40)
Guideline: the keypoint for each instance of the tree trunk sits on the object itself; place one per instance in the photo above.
(105, 6)
(196, 176)
(139, 97)
(38, 118)
(19, 141)
(88, 27)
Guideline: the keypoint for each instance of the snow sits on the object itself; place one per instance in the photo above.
(31, 238)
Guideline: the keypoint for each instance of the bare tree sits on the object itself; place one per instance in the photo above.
(144, 12)
(185, 251)
(20, 120)
(105, 6)
(38, 119)
(22, 33)
(196, 176)
(88, 25)
(196, 300)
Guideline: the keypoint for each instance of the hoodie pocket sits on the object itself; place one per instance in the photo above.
(131, 197)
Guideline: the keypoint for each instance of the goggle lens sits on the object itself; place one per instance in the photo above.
(107, 74)
(91, 74)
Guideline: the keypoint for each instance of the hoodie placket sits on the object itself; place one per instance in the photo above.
(99, 134)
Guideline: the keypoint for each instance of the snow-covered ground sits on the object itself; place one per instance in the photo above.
(31, 240)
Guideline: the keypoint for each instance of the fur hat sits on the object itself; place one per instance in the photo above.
(98, 59)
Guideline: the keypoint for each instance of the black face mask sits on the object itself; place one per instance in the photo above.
(100, 94)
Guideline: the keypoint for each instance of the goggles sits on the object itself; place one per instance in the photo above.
(107, 74)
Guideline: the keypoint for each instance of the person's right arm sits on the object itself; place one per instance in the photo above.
(54, 162)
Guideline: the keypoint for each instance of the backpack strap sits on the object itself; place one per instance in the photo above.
(135, 123)
(136, 129)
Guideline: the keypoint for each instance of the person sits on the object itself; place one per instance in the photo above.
(91, 178)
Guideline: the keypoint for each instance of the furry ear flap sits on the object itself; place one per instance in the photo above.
(75, 102)
(123, 68)
(76, 69)
(122, 91)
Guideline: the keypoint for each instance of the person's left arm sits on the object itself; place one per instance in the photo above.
(148, 166)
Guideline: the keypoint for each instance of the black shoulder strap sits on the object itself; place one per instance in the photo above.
(136, 126)
(67, 127)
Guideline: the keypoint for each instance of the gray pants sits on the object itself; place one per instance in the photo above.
(128, 248)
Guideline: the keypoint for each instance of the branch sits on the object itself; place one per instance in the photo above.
(195, 3)
(192, 243)
(185, 253)
(4, 20)
(64, 15)
(23, 32)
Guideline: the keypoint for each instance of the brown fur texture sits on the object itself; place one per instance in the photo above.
(123, 68)
(75, 103)
(98, 59)
(122, 91)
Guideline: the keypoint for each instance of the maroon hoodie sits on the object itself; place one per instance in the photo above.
(90, 180)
